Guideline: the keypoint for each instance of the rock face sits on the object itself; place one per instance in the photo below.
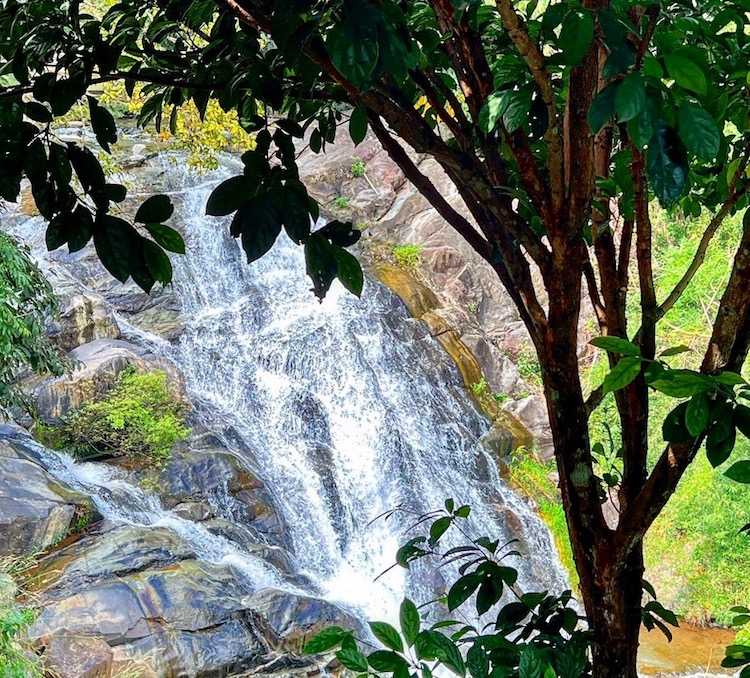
(35, 511)
(453, 289)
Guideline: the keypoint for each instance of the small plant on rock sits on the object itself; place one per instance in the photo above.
(342, 202)
(407, 257)
(137, 418)
(358, 168)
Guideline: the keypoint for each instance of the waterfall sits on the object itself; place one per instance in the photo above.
(350, 409)
(345, 409)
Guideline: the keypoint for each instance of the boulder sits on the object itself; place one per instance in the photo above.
(85, 317)
(293, 618)
(192, 619)
(72, 657)
(100, 557)
(35, 510)
(100, 361)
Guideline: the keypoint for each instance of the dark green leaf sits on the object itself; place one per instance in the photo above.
(493, 109)
(157, 262)
(603, 107)
(325, 640)
(352, 659)
(674, 350)
(462, 590)
(167, 237)
(673, 429)
(576, 36)
(387, 635)
(410, 622)
(531, 664)
(616, 345)
(681, 383)
(358, 125)
(667, 164)
(696, 414)
(103, 124)
(719, 447)
(230, 195)
(686, 73)
(385, 660)
(630, 98)
(622, 374)
(739, 472)
(348, 270)
(742, 419)
(155, 209)
(114, 240)
(698, 131)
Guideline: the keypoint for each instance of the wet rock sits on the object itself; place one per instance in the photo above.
(100, 557)
(533, 413)
(78, 657)
(100, 361)
(192, 619)
(35, 511)
(294, 618)
(84, 318)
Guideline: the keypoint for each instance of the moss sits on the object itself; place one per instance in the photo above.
(137, 418)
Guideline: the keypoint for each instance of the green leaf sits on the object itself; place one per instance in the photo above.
(259, 223)
(623, 373)
(449, 654)
(358, 125)
(325, 640)
(630, 98)
(410, 622)
(698, 131)
(103, 124)
(230, 195)
(355, 56)
(492, 111)
(386, 660)
(741, 419)
(517, 112)
(352, 659)
(489, 593)
(438, 528)
(114, 239)
(576, 36)
(462, 590)
(603, 107)
(295, 211)
(157, 262)
(739, 472)
(167, 237)
(155, 209)
(682, 383)
(696, 414)
(531, 664)
(686, 73)
(320, 263)
(667, 164)
(729, 379)
(616, 345)
(674, 350)
(387, 635)
(719, 447)
(348, 270)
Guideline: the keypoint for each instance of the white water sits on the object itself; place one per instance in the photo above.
(347, 416)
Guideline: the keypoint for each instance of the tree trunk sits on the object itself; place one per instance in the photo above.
(614, 612)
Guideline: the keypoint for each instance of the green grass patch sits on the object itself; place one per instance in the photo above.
(407, 257)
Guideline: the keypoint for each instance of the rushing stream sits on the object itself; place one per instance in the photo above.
(346, 409)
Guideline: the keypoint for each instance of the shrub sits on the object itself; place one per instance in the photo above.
(407, 256)
(137, 418)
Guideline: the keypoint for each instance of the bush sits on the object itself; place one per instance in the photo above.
(137, 418)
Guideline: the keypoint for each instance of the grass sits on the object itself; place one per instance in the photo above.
(407, 257)
(136, 418)
(17, 659)
(534, 479)
(358, 168)
(342, 202)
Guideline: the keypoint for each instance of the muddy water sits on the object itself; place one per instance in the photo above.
(694, 651)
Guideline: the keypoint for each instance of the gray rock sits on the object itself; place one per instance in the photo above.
(72, 657)
(86, 317)
(35, 511)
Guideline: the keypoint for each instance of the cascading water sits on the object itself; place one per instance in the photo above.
(349, 409)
